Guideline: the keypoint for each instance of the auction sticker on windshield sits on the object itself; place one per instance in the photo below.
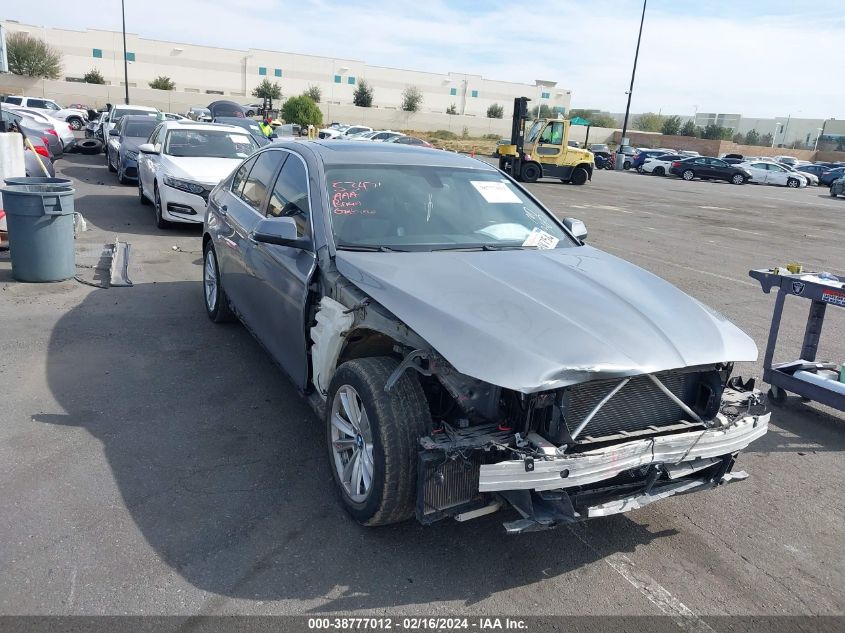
(495, 192)
(540, 239)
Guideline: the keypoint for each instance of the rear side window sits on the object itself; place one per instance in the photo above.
(14, 100)
(290, 196)
(240, 176)
(258, 182)
(37, 103)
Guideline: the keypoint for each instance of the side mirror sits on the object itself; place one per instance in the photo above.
(114, 132)
(576, 227)
(273, 136)
(279, 231)
(146, 148)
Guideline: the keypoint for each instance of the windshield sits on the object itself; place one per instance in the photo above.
(118, 113)
(534, 131)
(209, 144)
(405, 207)
(140, 129)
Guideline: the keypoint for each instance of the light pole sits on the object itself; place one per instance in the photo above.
(819, 132)
(125, 61)
(778, 126)
(620, 156)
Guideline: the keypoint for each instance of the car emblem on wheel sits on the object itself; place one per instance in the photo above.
(798, 287)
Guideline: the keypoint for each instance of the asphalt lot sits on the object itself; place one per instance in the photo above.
(154, 463)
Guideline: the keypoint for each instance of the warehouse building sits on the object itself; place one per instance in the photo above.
(234, 73)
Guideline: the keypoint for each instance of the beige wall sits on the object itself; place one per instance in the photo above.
(234, 72)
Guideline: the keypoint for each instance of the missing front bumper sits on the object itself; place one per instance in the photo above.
(605, 463)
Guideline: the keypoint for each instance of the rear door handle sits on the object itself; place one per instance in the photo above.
(224, 210)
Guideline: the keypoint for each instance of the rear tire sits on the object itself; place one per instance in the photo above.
(75, 123)
(688, 174)
(579, 176)
(216, 302)
(530, 172)
(738, 179)
(386, 439)
(659, 171)
(777, 396)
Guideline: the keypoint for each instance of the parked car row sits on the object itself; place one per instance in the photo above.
(74, 116)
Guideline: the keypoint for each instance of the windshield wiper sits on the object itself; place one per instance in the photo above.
(366, 248)
(482, 247)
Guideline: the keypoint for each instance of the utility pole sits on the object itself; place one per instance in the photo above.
(620, 157)
(125, 61)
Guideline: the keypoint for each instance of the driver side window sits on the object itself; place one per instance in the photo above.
(553, 134)
(290, 196)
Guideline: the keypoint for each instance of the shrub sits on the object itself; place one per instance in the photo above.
(412, 99)
(93, 76)
(162, 83)
(314, 93)
(495, 111)
(444, 134)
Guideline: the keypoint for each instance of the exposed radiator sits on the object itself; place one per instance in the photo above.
(445, 486)
(638, 406)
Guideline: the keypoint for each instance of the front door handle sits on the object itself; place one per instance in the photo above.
(224, 210)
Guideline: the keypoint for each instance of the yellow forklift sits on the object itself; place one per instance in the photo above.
(544, 152)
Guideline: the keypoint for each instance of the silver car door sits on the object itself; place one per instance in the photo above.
(283, 273)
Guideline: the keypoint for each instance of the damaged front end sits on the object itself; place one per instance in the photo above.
(591, 449)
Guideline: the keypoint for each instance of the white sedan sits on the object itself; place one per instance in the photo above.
(659, 165)
(183, 161)
(767, 173)
(63, 129)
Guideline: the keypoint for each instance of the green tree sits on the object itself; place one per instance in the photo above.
(93, 76)
(32, 57)
(716, 132)
(689, 129)
(648, 122)
(267, 90)
(596, 118)
(412, 99)
(314, 93)
(752, 137)
(495, 111)
(766, 140)
(738, 138)
(363, 95)
(162, 83)
(671, 125)
(452, 109)
(542, 112)
(302, 110)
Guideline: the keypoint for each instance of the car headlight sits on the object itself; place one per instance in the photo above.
(183, 185)
(131, 155)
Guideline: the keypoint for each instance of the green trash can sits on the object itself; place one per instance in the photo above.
(39, 218)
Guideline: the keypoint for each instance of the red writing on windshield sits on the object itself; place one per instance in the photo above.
(346, 196)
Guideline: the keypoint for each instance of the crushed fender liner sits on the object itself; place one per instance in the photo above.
(605, 463)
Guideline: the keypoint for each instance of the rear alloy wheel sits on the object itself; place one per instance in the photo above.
(75, 123)
(216, 301)
(738, 179)
(688, 174)
(372, 438)
(160, 221)
(659, 171)
(626, 165)
(579, 176)
(792, 183)
(530, 172)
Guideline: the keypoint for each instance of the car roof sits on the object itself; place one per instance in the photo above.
(199, 125)
(122, 106)
(336, 152)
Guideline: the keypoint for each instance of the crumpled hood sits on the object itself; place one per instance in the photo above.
(533, 320)
(208, 171)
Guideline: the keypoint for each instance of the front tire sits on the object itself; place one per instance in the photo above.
(738, 179)
(160, 221)
(793, 183)
(530, 172)
(688, 174)
(216, 302)
(75, 123)
(372, 437)
(659, 171)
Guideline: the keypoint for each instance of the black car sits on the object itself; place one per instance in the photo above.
(708, 168)
(829, 176)
(816, 170)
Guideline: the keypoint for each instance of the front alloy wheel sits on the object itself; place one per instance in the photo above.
(738, 179)
(689, 174)
(792, 183)
(352, 444)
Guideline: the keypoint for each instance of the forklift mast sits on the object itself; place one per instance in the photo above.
(520, 114)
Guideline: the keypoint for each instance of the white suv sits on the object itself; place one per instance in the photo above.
(74, 117)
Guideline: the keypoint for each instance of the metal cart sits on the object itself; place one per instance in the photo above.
(805, 377)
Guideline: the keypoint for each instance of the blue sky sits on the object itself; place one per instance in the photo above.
(755, 57)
